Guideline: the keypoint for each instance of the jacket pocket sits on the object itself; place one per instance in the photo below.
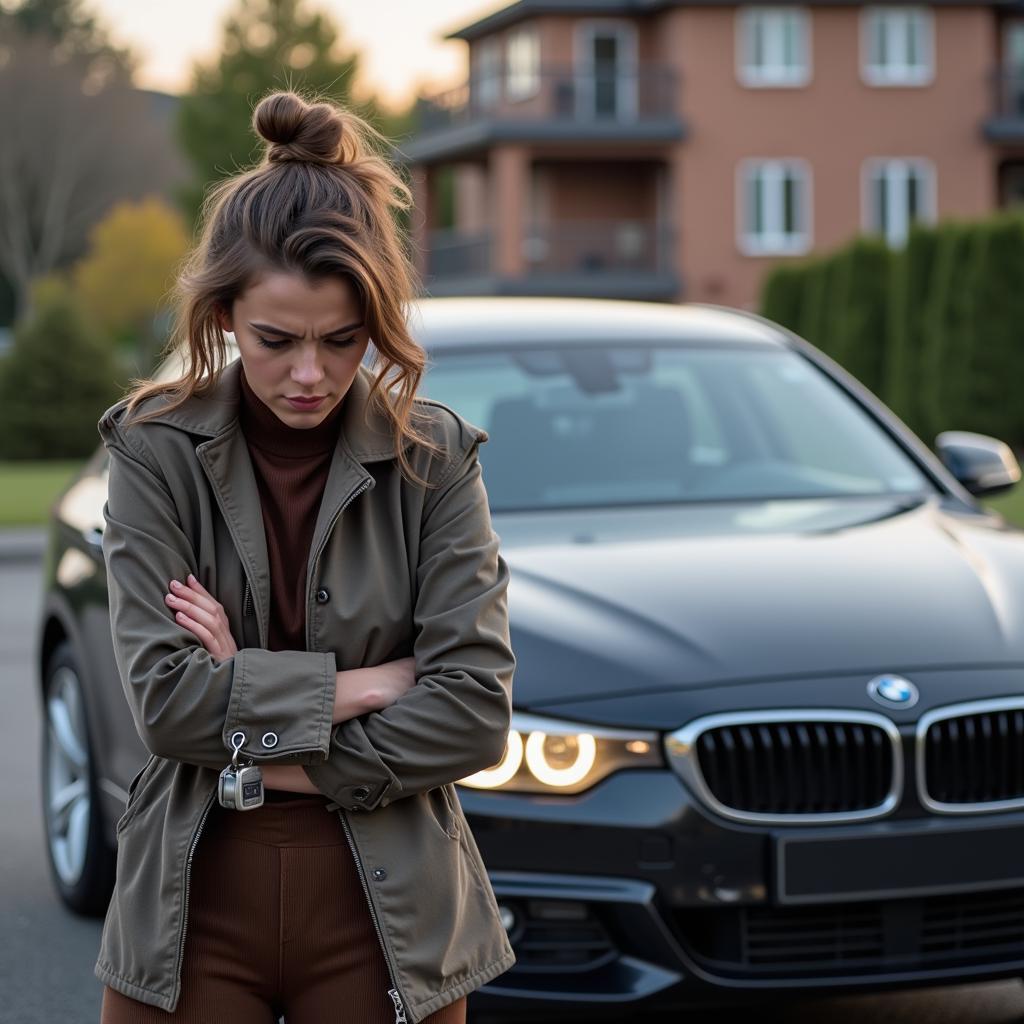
(133, 788)
(443, 800)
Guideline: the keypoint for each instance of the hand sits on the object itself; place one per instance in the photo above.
(359, 690)
(389, 681)
(199, 612)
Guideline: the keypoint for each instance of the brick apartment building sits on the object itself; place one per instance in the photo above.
(676, 150)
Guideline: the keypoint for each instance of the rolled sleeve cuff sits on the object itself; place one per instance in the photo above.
(353, 775)
(283, 702)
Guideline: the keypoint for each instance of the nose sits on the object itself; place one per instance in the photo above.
(306, 370)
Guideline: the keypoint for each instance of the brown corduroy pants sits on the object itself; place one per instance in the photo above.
(278, 925)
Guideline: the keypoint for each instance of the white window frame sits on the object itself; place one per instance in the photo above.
(487, 73)
(896, 170)
(773, 241)
(897, 19)
(522, 63)
(583, 62)
(1011, 30)
(775, 75)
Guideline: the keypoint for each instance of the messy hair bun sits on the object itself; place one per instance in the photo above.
(325, 200)
(296, 130)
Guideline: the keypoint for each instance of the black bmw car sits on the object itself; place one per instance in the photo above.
(769, 725)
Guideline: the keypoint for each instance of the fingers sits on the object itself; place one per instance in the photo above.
(188, 609)
(207, 638)
(195, 593)
(196, 585)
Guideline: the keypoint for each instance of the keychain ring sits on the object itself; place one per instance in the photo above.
(236, 747)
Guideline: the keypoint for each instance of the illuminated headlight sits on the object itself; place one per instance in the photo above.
(549, 755)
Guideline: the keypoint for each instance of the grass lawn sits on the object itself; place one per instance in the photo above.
(1010, 505)
(27, 490)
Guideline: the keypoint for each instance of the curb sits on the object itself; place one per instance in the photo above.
(22, 544)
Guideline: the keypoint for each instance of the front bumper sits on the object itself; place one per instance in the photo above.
(632, 893)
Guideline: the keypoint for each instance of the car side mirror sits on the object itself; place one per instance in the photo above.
(983, 464)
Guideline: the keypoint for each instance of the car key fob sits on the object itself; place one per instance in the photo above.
(240, 787)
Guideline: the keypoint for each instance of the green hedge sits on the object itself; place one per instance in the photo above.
(55, 382)
(934, 328)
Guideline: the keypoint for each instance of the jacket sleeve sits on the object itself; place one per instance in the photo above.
(186, 705)
(454, 721)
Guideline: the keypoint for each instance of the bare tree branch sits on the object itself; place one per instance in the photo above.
(70, 151)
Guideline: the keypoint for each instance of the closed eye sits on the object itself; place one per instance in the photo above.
(275, 345)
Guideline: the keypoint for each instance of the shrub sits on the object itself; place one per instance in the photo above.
(55, 381)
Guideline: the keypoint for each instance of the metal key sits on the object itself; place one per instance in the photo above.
(240, 787)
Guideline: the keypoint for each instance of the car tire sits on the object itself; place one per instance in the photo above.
(82, 862)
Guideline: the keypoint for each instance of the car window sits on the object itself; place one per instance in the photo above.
(634, 424)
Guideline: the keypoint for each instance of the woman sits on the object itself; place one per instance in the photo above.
(305, 588)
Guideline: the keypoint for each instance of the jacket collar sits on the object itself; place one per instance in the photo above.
(365, 436)
(364, 430)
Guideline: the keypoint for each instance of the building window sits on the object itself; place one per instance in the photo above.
(522, 61)
(487, 79)
(1011, 185)
(774, 207)
(897, 45)
(773, 46)
(606, 62)
(897, 192)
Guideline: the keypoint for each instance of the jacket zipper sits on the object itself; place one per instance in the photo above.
(188, 879)
(368, 482)
(393, 992)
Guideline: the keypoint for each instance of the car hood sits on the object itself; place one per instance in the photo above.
(617, 601)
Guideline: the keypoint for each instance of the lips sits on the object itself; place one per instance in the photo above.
(306, 403)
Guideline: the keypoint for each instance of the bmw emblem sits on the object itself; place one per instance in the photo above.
(893, 691)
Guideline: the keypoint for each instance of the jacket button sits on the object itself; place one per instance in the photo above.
(361, 792)
(323, 595)
(379, 873)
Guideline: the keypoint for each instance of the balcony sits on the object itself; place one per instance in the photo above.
(558, 104)
(607, 259)
(1006, 124)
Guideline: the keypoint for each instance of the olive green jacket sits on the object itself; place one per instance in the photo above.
(395, 570)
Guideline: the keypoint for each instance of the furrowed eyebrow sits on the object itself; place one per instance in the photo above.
(267, 329)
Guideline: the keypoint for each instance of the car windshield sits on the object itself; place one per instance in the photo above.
(609, 425)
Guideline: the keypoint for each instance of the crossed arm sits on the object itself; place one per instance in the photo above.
(186, 701)
(356, 690)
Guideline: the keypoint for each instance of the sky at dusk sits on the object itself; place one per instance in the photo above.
(400, 40)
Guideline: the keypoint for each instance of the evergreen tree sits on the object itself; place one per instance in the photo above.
(990, 393)
(857, 309)
(911, 271)
(932, 329)
(943, 346)
(781, 294)
(55, 381)
(814, 308)
(267, 45)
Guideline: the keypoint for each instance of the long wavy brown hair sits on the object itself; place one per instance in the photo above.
(323, 200)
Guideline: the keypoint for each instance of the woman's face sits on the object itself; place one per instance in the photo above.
(298, 338)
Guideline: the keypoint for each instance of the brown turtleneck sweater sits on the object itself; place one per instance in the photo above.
(290, 464)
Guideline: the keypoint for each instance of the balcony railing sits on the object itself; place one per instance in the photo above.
(454, 253)
(597, 247)
(589, 249)
(1008, 89)
(564, 94)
